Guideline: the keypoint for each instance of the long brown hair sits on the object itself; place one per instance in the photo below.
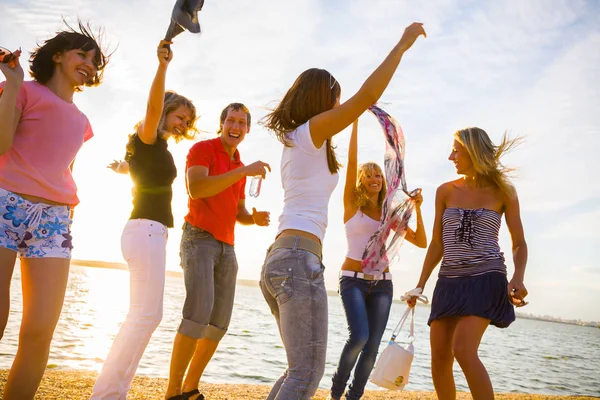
(171, 103)
(485, 156)
(314, 91)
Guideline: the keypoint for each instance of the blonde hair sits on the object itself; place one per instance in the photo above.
(171, 103)
(485, 156)
(362, 197)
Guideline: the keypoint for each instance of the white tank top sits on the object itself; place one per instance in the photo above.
(359, 230)
(307, 184)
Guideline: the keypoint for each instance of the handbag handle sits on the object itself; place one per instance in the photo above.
(396, 331)
(417, 292)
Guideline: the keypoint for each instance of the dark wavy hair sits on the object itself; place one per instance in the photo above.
(314, 92)
(42, 63)
(234, 107)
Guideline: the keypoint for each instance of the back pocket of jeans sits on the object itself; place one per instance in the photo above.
(283, 288)
(156, 229)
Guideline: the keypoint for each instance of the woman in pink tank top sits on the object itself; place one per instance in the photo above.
(367, 299)
(41, 131)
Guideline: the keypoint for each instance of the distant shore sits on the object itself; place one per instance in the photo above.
(249, 282)
(76, 385)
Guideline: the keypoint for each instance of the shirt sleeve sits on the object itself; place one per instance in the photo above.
(21, 97)
(89, 133)
(199, 155)
(243, 191)
(302, 139)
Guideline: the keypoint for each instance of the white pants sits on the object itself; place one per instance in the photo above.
(143, 244)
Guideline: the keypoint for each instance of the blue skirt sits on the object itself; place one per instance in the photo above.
(485, 296)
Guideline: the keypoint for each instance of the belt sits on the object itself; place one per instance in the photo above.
(384, 276)
(297, 242)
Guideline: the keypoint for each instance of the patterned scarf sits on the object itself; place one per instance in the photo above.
(397, 206)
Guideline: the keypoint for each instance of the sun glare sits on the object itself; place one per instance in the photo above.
(92, 317)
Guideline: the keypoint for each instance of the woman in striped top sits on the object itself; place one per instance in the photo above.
(472, 290)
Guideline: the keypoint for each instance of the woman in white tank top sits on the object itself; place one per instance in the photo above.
(366, 298)
(305, 120)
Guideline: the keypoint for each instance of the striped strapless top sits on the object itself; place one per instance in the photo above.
(470, 239)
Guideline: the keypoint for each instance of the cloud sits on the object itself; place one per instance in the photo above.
(528, 67)
(578, 225)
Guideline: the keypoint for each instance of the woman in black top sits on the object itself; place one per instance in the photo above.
(144, 238)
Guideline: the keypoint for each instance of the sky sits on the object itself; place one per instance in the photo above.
(527, 67)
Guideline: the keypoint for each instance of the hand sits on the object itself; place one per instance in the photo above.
(257, 168)
(261, 218)
(165, 55)
(114, 165)
(418, 198)
(411, 33)
(13, 70)
(412, 301)
(517, 292)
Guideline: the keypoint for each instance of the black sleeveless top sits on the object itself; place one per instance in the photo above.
(153, 171)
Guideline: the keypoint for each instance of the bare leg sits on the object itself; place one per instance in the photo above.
(441, 339)
(183, 350)
(7, 265)
(204, 352)
(44, 282)
(467, 337)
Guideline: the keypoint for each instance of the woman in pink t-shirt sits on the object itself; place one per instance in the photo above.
(41, 131)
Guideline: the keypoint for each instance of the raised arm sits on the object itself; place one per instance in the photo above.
(418, 237)
(330, 123)
(149, 130)
(350, 207)
(9, 113)
(519, 247)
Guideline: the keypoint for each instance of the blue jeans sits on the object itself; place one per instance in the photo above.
(209, 271)
(367, 306)
(292, 284)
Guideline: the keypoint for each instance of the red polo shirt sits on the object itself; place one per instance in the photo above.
(217, 214)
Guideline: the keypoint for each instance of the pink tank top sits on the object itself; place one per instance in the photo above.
(359, 230)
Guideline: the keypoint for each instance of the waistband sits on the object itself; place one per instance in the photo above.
(384, 276)
(473, 269)
(31, 199)
(297, 242)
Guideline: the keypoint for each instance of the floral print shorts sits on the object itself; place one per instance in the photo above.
(34, 230)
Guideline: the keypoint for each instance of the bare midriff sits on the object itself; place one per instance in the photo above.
(36, 199)
(348, 265)
(296, 232)
(355, 265)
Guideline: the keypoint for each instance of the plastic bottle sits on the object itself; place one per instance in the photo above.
(255, 185)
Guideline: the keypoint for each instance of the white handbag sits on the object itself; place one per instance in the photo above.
(393, 367)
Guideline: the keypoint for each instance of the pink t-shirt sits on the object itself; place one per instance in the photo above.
(50, 133)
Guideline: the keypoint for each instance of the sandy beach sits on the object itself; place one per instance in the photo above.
(75, 385)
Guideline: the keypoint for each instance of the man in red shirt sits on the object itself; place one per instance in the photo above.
(216, 178)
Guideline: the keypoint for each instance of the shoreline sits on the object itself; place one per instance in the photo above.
(254, 283)
(77, 385)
